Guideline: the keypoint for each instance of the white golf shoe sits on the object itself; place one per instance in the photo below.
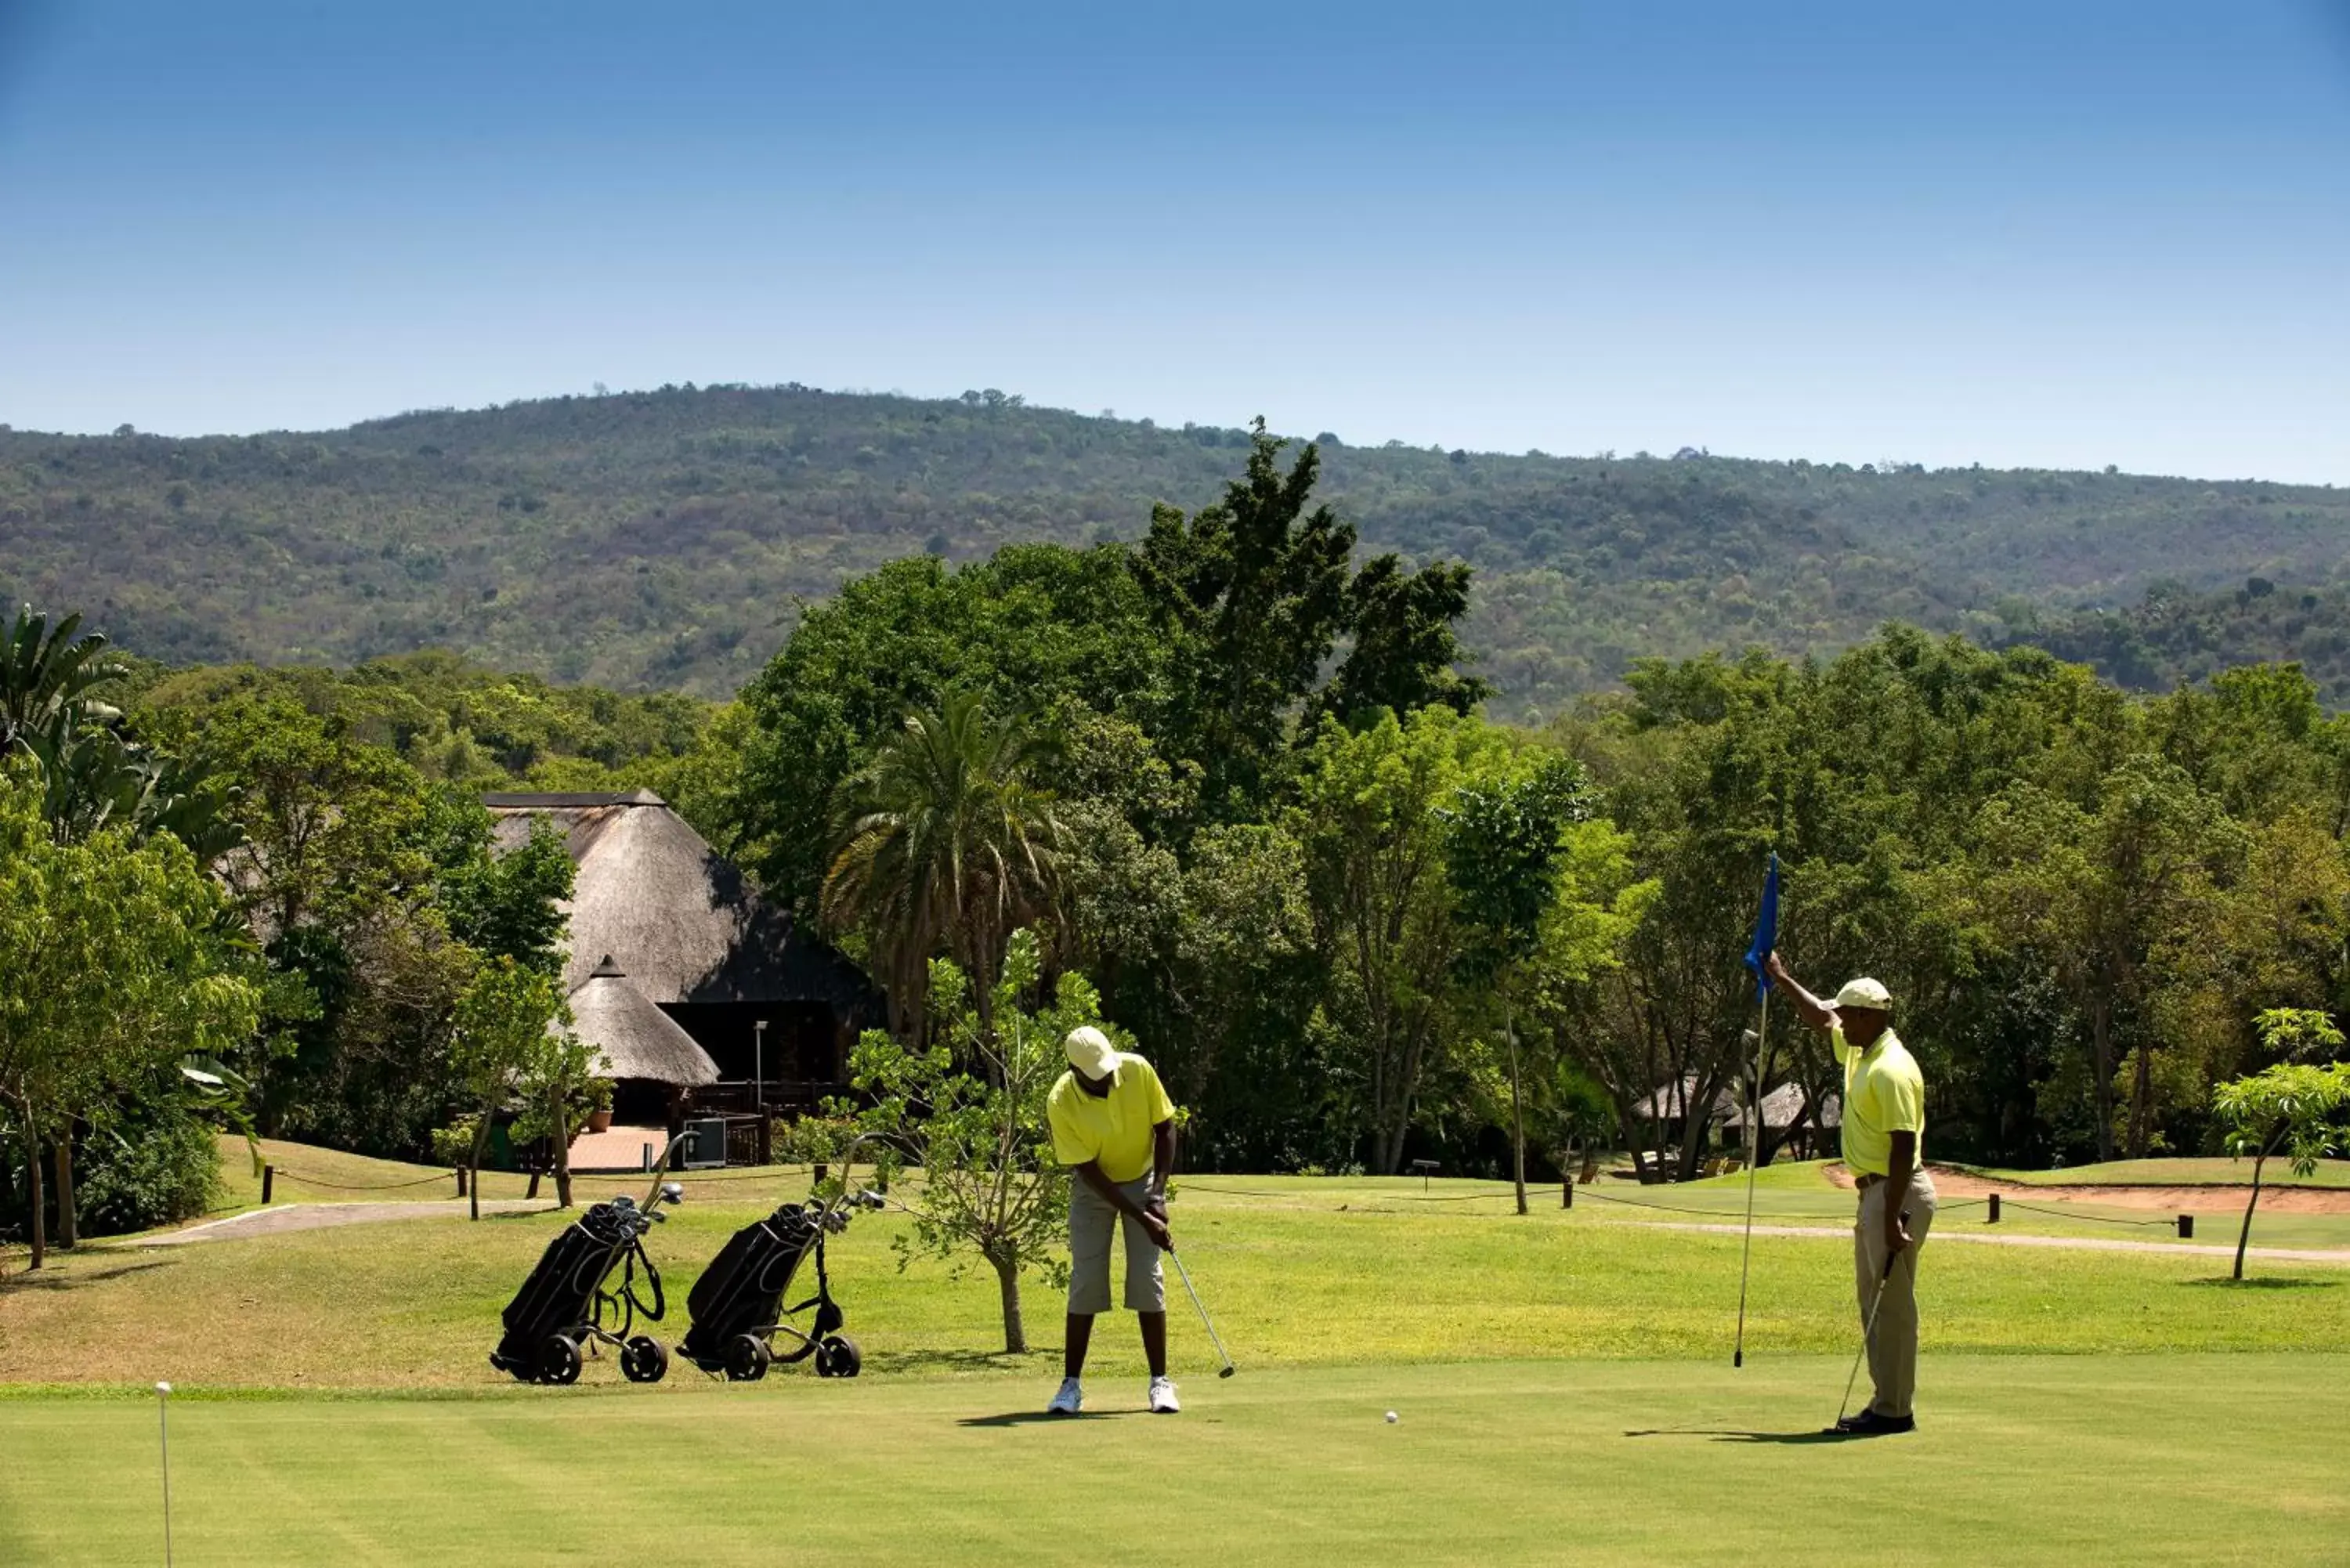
(1068, 1401)
(1163, 1396)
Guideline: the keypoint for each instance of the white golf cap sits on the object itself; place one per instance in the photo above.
(1090, 1051)
(1864, 992)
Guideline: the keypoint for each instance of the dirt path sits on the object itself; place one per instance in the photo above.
(2082, 1244)
(280, 1217)
(2169, 1199)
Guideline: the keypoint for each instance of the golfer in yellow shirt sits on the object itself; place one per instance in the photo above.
(1883, 1147)
(1114, 1127)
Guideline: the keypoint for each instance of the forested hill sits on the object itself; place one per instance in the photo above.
(662, 539)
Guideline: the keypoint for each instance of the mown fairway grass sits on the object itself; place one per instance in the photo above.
(2080, 1406)
(1300, 1273)
(2023, 1462)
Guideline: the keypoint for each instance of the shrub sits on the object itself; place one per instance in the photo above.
(162, 1168)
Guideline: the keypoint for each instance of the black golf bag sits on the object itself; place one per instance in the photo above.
(563, 1304)
(737, 1303)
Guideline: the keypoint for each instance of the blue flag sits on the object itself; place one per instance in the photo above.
(1766, 930)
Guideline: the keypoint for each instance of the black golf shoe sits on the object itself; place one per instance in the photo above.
(1869, 1424)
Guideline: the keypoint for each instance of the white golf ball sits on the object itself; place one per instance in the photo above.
(162, 1388)
(1393, 1417)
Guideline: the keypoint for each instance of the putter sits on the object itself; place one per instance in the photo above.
(1185, 1276)
(1867, 1332)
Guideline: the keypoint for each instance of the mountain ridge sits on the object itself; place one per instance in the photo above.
(664, 538)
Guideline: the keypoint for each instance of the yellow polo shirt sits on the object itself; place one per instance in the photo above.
(1883, 1093)
(1114, 1129)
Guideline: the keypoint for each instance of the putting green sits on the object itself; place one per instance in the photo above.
(2020, 1460)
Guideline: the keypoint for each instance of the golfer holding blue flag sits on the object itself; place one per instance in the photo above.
(1884, 1130)
(1884, 1141)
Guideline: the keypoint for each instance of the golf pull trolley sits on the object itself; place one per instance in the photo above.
(737, 1303)
(564, 1307)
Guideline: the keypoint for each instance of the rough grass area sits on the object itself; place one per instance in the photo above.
(1300, 1271)
(2019, 1461)
(307, 1174)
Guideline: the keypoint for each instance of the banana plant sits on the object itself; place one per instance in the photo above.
(45, 672)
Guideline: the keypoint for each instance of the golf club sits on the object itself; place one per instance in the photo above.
(1868, 1333)
(1185, 1276)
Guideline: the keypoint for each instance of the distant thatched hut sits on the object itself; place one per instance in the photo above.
(1785, 1119)
(649, 1059)
(691, 936)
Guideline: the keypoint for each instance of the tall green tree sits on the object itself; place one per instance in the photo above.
(1034, 628)
(1503, 845)
(946, 843)
(119, 965)
(1369, 815)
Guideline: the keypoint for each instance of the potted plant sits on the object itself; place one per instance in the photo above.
(599, 1104)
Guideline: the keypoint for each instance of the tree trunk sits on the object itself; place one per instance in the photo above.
(1007, 1280)
(1517, 1115)
(2141, 1101)
(69, 1229)
(39, 1233)
(2101, 1043)
(474, 1164)
(556, 1118)
(2245, 1235)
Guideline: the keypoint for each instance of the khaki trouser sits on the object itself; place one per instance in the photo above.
(1091, 1223)
(1893, 1345)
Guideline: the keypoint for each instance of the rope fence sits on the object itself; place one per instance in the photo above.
(2165, 1221)
(1945, 1207)
(359, 1187)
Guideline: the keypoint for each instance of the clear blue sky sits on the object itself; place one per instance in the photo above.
(2051, 233)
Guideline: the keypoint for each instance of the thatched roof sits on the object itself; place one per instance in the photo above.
(684, 922)
(1669, 1103)
(1783, 1107)
(637, 1038)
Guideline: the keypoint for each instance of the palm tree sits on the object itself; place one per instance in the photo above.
(945, 842)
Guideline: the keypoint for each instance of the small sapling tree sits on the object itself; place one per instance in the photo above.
(2290, 1108)
(501, 1042)
(969, 1110)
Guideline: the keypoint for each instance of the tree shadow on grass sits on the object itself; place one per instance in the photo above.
(2268, 1283)
(49, 1279)
(942, 1361)
(1735, 1435)
(1043, 1418)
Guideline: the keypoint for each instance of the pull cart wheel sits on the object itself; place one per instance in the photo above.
(644, 1359)
(837, 1356)
(748, 1358)
(558, 1360)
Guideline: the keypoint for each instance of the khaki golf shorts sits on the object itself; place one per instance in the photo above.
(1091, 1220)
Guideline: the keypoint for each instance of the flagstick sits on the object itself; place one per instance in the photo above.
(1753, 1158)
(163, 1429)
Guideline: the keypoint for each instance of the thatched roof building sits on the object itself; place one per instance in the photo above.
(695, 939)
(637, 1039)
(1783, 1107)
(684, 921)
(1671, 1103)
